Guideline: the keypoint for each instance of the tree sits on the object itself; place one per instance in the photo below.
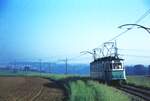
(26, 68)
(149, 70)
(139, 69)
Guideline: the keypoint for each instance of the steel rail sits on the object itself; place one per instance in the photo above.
(142, 93)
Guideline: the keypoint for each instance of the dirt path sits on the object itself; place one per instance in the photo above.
(29, 89)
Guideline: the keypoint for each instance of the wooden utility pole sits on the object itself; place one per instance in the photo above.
(50, 68)
(14, 66)
(66, 62)
(66, 65)
(40, 63)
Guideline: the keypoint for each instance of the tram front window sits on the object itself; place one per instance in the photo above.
(117, 66)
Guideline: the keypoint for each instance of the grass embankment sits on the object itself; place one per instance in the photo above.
(140, 81)
(94, 91)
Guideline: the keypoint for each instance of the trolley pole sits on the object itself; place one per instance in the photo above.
(138, 26)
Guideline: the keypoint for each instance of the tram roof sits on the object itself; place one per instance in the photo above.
(109, 58)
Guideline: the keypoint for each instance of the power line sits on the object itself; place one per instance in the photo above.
(143, 16)
(136, 22)
(137, 56)
(75, 57)
(120, 34)
(137, 50)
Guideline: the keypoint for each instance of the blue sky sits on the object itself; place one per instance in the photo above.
(54, 29)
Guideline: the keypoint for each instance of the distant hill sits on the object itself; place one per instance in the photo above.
(81, 69)
(138, 69)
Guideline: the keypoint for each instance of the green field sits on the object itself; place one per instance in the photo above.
(78, 88)
(141, 81)
(33, 74)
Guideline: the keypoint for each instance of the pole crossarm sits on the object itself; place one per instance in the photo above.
(92, 53)
(84, 52)
(139, 26)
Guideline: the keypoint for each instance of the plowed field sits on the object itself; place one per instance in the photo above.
(29, 89)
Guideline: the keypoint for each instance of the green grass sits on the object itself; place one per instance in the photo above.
(141, 81)
(94, 91)
(10, 73)
(33, 74)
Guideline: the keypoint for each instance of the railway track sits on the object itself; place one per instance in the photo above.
(142, 93)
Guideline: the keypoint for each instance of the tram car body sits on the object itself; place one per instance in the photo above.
(108, 69)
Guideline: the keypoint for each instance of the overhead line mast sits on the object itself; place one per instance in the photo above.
(66, 64)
